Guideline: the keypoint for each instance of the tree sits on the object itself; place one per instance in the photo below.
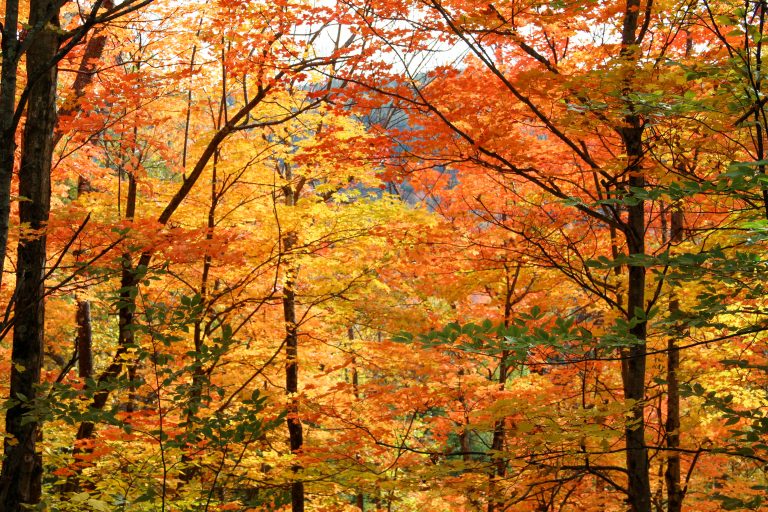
(378, 255)
(562, 98)
(13, 49)
(22, 471)
(22, 464)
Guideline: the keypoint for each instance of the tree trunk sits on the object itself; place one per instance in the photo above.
(21, 479)
(295, 434)
(499, 467)
(672, 425)
(8, 81)
(759, 106)
(359, 497)
(200, 332)
(634, 362)
(84, 346)
(84, 340)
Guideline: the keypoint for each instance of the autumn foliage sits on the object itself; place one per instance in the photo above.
(384, 255)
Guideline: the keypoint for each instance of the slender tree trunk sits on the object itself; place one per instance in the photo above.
(497, 444)
(634, 362)
(499, 466)
(129, 280)
(8, 81)
(200, 331)
(672, 474)
(359, 497)
(292, 380)
(21, 479)
(295, 434)
(672, 425)
(759, 106)
(84, 340)
(84, 345)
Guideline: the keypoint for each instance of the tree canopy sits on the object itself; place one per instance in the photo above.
(383, 255)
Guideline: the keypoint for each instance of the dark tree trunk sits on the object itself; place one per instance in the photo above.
(84, 340)
(8, 81)
(84, 346)
(634, 362)
(639, 488)
(759, 106)
(295, 434)
(672, 426)
(499, 466)
(20, 483)
(359, 497)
